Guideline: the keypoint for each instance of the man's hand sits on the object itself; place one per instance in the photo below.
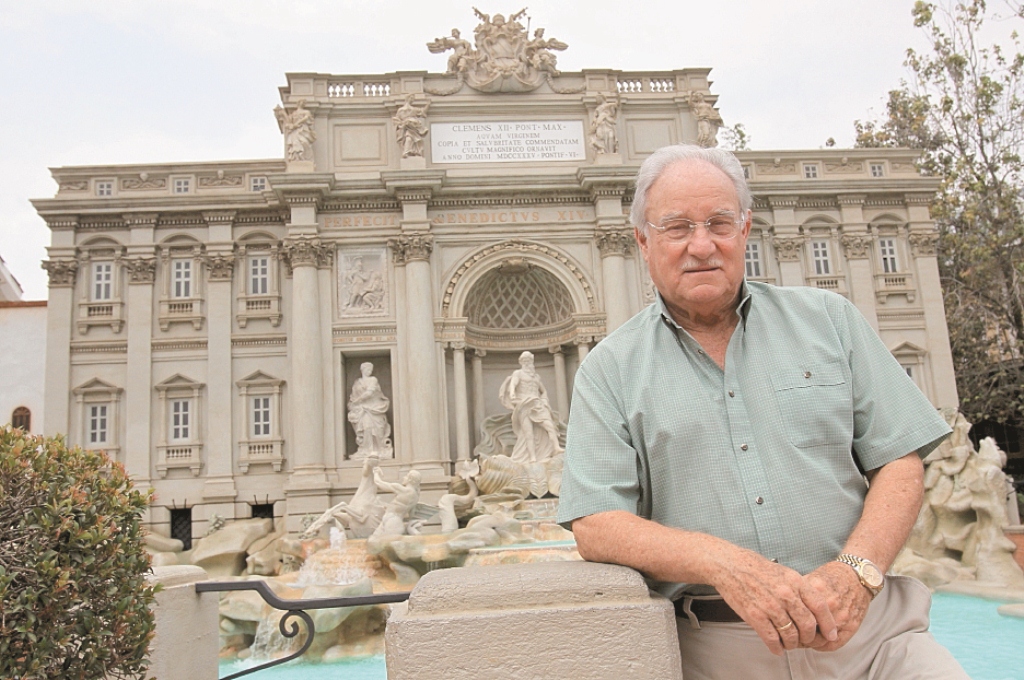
(777, 602)
(846, 597)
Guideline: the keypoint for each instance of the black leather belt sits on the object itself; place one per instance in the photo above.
(712, 611)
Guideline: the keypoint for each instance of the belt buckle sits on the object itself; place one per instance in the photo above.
(694, 621)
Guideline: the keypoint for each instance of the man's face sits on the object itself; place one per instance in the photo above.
(701, 276)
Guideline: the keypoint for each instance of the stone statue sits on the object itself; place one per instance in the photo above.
(367, 411)
(451, 503)
(538, 52)
(411, 127)
(708, 120)
(407, 495)
(299, 135)
(603, 125)
(504, 58)
(361, 515)
(533, 421)
(458, 61)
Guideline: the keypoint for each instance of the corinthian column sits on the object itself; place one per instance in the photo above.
(413, 252)
(60, 311)
(461, 404)
(141, 273)
(306, 389)
(615, 246)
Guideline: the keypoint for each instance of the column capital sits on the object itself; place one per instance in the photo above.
(140, 269)
(220, 266)
(555, 349)
(457, 345)
(325, 254)
(924, 245)
(409, 247)
(61, 272)
(301, 251)
(788, 248)
(615, 242)
(856, 246)
(479, 352)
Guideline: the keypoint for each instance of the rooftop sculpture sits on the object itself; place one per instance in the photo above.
(504, 58)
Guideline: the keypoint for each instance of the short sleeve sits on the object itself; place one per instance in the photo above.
(601, 466)
(892, 417)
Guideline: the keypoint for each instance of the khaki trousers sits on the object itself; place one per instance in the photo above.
(893, 642)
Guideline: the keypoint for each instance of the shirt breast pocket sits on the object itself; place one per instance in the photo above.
(815, 403)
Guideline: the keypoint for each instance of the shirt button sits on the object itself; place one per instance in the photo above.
(807, 374)
(775, 560)
(700, 351)
(731, 393)
(743, 447)
(759, 500)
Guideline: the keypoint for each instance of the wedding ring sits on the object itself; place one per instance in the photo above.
(782, 628)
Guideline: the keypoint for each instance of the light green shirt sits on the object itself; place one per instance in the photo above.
(766, 454)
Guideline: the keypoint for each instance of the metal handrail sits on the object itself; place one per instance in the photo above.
(294, 608)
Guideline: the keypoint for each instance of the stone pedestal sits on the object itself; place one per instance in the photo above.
(187, 642)
(546, 620)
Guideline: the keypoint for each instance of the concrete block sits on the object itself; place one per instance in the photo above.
(544, 620)
(187, 640)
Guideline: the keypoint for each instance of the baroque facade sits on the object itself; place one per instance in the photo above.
(207, 321)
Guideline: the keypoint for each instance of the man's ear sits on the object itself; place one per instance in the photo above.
(641, 241)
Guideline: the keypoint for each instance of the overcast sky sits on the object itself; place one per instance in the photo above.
(124, 81)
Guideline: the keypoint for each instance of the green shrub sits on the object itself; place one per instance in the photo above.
(74, 600)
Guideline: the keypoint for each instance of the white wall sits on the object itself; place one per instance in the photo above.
(22, 359)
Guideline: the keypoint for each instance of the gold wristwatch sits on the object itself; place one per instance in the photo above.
(871, 577)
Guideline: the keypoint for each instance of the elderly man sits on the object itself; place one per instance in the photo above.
(719, 442)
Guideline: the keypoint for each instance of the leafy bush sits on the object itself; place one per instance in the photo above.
(74, 600)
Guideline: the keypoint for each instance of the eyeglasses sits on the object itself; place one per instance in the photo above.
(720, 227)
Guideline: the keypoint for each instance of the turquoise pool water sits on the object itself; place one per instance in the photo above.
(987, 645)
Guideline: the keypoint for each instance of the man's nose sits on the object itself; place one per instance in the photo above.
(701, 245)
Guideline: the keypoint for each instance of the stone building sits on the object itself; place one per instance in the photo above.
(207, 321)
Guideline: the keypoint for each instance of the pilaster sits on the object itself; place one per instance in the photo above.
(219, 485)
(924, 247)
(789, 252)
(615, 246)
(60, 310)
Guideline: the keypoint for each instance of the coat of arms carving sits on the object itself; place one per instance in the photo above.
(504, 58)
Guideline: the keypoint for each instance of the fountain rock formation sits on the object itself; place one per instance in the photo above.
(959, 532)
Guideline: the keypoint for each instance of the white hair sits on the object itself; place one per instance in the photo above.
(659, 161)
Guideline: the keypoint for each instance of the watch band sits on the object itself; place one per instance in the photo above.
(871, 577)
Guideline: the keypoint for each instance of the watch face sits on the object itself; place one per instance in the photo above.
(871, 575)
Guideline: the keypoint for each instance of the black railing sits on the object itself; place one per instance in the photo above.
(294, 608)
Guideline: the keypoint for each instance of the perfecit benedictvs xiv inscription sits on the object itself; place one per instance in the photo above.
(507, 142)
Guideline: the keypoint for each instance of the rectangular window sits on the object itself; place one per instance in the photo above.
(753, 259)
(182, 185)
(910, 372)
(98, 424)
(182, 278)
(877, 170)
(181, 419)
(181, 526)
(887, 246)
(103, 280)
(746, 172)
(259, 275)
(257, 184)
(261, 416)
(810, 171)
(819, 252)
(104, 188)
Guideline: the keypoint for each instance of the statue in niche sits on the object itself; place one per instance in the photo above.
(361, 515)
(365, 289)
(411, 127)
(603, 137)
(299, 135)
(538, 52)
(533, 421)
(367, 411)
(708, 120)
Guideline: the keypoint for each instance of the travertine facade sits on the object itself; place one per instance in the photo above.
(207, 321)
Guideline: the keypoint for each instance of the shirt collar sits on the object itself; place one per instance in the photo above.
(742, 309)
